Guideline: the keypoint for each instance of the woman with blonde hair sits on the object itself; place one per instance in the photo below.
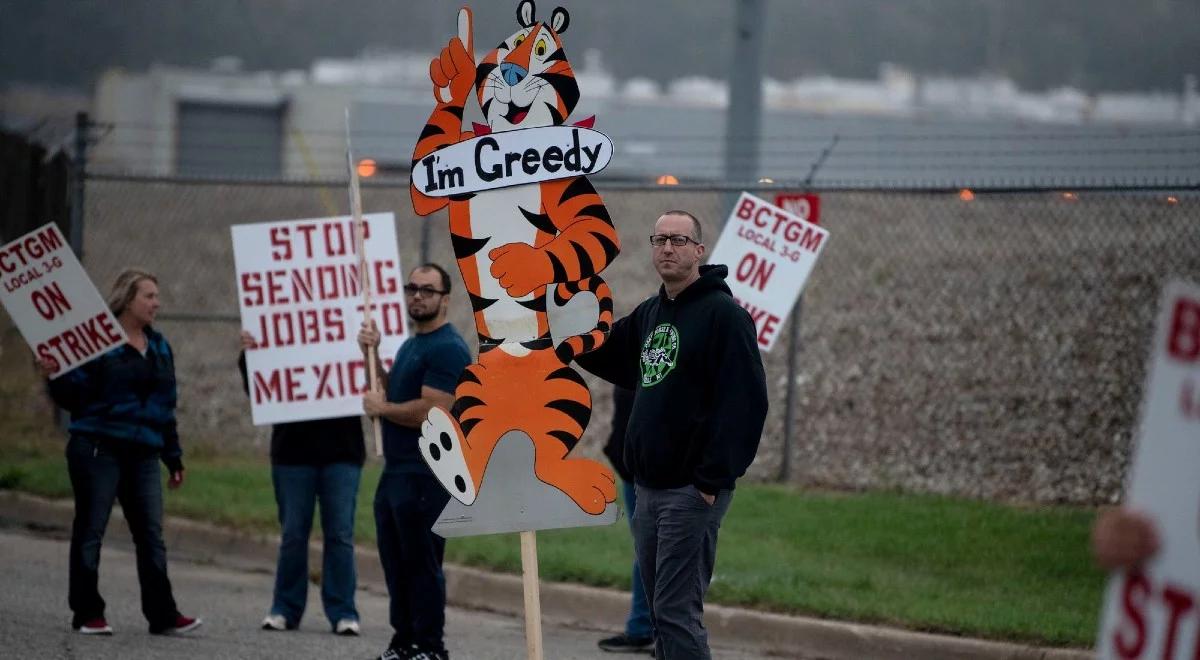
(122, 409)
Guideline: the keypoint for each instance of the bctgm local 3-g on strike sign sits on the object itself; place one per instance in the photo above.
(54, 303)
(1154, 611)
(301, 299)
(770, 254)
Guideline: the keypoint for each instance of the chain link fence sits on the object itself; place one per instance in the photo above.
(987, 347)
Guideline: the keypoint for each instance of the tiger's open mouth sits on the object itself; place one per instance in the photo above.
(516, 113)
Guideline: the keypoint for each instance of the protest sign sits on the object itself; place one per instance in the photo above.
(1153, 611)
(300, 298)
(770, 254)
(53, 302)
(511, 158)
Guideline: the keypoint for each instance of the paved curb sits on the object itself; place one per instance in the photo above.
(568, 604)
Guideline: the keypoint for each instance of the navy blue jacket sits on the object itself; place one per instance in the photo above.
(123, 397)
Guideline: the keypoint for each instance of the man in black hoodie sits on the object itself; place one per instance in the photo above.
(691, 356)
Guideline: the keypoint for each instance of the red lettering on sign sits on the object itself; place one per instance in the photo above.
(754, 271)
(324, 387)
(385, 278)
(811, 240)
(79, 342)
(335, 240)
(1183, 342)
(280, 386)
(251, 285)
(1179, 602)
(765, 323)
(307, 231)
(303, 326)
(313, 240)
(806, 236)
(744, 209)
(50, 302)
(31, 247)
(393, 318)
(1131, 637)
(769, 326)
(281, 241)
(1133, 600)
(335, 328)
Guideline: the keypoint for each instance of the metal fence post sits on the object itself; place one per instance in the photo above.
(425, 229)
(75, 210)
(789, 415)
(78, 174)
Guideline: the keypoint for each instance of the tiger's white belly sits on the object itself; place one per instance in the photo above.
(494, 213)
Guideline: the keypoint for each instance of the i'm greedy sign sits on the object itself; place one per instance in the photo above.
(512, 158)
(301, 299)
(1154, 611)
(54, 303)
(770, 254)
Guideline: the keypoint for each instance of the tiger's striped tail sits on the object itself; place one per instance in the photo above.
(577, 345)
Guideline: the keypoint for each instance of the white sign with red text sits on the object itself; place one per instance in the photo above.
(1154, 611)
(770, 254)
(53, 301)
(300, 298)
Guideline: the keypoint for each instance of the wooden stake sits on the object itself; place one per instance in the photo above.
(533, 601)
(364, 277)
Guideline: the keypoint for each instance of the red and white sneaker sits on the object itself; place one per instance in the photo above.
(97, 626)
(182, 624)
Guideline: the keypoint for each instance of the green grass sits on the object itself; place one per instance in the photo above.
(921, 562)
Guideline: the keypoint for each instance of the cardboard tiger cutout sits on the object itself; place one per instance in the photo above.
(515, 246)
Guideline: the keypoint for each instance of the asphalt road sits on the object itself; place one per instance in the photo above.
(35, 621)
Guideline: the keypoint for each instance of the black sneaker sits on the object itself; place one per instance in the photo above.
(182, 624)
(393, 653)
(430, 655)
(626, 644)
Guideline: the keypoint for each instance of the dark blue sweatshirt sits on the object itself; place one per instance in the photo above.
(125, 398)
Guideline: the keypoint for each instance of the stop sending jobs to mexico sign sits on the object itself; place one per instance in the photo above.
(770, 254)
(1153, 611)
(300, 298)
(53, 301)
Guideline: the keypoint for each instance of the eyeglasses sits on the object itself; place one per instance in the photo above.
(426, 291)
(677, 240)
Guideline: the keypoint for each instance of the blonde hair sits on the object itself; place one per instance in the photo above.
(126, 287)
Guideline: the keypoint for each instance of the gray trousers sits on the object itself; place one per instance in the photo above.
(675, 537)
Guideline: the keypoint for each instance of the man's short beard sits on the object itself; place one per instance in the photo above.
(421, 318)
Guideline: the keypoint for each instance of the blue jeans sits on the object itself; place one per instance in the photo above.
(102, 472)
(638, 623)
(675, 533)
(297, 489)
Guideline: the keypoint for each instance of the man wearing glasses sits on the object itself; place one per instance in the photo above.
(409, 498)
(691, 357)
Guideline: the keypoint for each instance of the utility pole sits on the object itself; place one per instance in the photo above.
(743, 121)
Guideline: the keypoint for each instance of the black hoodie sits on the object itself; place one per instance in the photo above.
(701, 392)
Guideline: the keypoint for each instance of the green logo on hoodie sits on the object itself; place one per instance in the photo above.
(659, 352)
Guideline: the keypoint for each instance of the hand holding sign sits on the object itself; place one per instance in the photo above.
(1153, 540)
(1123, 538)
(453, 73)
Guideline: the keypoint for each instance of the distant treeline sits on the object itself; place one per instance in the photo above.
(1092, 44)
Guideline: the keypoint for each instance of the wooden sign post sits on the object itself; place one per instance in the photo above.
(364, 279)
